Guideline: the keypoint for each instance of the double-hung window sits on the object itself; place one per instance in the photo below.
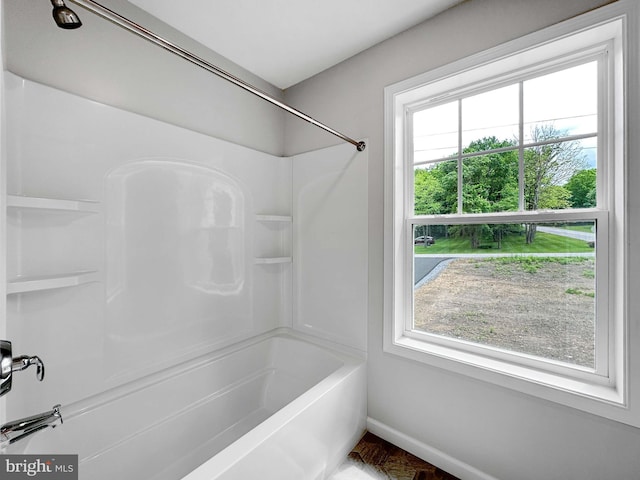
(505, 216)
(507, 210)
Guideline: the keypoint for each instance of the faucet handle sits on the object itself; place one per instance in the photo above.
(10, 364)
(23, 362)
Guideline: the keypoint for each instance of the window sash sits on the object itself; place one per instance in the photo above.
(601, 374)
(598, 54)
(603, 334)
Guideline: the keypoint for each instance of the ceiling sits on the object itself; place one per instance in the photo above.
(287, 41)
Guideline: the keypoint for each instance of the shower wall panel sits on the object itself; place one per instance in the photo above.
(331, 244)
(132, 244)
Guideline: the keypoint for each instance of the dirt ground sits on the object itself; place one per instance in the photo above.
(547, 311)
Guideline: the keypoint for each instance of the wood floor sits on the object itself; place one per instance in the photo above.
(377, 459)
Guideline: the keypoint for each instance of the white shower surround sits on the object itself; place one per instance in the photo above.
(176, 246)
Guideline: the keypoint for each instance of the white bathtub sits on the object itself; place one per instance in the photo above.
(277, 407)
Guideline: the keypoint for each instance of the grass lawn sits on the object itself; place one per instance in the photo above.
(543, 243)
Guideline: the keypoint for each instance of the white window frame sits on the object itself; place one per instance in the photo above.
(602, 33)
(603, 333)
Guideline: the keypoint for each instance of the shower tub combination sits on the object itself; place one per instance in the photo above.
(279, 406)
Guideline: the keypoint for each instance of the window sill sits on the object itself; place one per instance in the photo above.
(599, 399)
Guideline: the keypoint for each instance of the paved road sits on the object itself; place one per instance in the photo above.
(423, 266)
(563, 232)
(425, 263)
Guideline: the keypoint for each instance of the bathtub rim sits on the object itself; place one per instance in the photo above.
(348, 355)
(228, 457)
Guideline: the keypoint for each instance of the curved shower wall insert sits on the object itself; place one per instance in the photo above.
(158, 274)
(176, 249)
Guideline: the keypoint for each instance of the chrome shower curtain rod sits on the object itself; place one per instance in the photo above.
(133, 27)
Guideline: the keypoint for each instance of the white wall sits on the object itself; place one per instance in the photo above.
(103, 62)
(468, 426)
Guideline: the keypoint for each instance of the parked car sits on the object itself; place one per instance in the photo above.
(424, 239)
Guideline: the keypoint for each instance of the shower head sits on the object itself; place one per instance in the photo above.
(64, 16)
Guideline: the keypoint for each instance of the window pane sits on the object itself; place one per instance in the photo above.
(435, 132)
(560, 175)
(490, 183)
(436, 188)
(490, 119)
(485, 284)
(566, 101)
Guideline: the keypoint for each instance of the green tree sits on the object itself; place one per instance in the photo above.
(555, 197)
(436, 189)
(548, 165)
(428, 192)
(490, 184)
(490, 181)
(582, 186)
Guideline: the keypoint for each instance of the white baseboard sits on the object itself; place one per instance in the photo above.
(429, 454)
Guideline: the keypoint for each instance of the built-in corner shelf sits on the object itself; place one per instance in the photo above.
(281, 226)
(52, 204)
(49, 282)
(274, 218)
(43, 208)
(272, 260)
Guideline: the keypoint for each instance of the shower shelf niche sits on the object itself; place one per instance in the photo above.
(274, 218)
(48, 282)
(45, 224)
(275, 235)
(272, 260)
(52, 204)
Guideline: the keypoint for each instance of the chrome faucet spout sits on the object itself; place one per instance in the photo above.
(11, 432)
